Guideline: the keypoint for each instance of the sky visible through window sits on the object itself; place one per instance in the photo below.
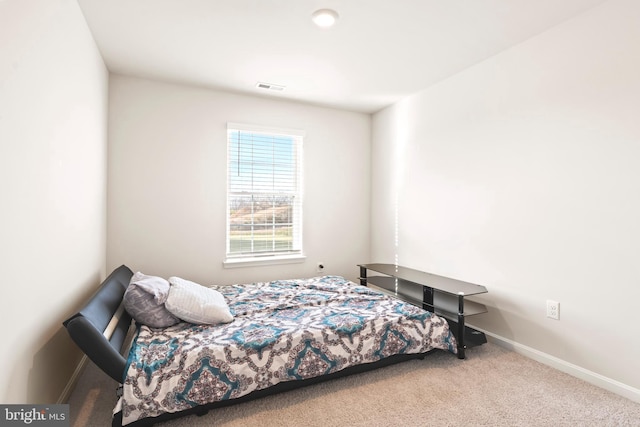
(261, 162)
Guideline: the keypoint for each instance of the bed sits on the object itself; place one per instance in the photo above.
(283, 335)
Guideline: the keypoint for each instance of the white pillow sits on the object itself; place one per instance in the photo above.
(195, 303)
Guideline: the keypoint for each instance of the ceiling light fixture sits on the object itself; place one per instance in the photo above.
(324, 18)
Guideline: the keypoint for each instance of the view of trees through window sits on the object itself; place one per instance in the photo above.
(261, 224)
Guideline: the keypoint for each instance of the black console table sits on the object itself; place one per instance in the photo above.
(441, 295)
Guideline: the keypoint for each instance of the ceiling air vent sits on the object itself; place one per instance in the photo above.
(269, 86)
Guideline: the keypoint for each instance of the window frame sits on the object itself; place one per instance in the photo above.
(266, 258)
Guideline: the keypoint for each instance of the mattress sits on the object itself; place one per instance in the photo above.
(286, 330)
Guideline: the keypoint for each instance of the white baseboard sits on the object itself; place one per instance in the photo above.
(598, 380)
(66, 393)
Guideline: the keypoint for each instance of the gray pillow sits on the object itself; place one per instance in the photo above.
(144, 300)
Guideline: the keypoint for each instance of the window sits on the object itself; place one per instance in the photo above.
(264, 193)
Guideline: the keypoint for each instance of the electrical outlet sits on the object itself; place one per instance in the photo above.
(320, 267)
(553, 309)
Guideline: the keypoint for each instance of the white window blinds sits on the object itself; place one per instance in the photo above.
(264, 194)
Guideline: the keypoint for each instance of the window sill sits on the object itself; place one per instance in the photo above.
(257, 261)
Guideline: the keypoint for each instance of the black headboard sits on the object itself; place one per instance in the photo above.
(101, 326)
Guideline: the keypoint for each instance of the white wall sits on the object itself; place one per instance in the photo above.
(521, 174)
(53, 124)
(167, 181)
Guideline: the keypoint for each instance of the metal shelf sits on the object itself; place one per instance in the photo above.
(444, 303)
(441, 283)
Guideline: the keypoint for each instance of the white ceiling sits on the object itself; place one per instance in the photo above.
(379, 52)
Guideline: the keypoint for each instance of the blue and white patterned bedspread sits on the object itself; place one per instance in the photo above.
(285, 330)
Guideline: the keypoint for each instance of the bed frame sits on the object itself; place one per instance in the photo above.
(100, 329)
(101, 326)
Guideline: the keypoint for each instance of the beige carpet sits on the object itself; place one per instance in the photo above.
(492, 387)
